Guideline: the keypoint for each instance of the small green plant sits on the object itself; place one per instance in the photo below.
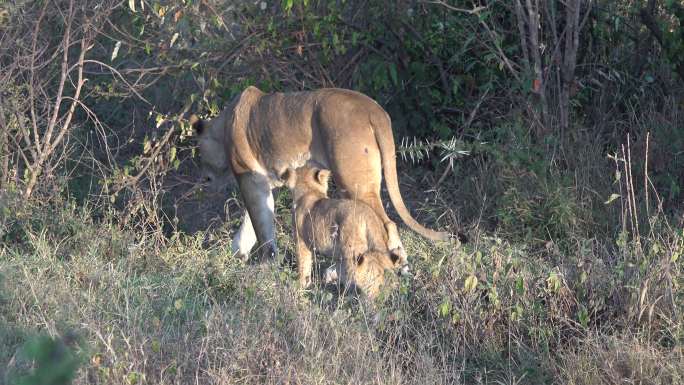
(53, 361)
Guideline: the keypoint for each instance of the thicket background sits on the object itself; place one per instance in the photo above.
(550, 131)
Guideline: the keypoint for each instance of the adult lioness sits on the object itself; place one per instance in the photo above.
(258, 136)
(345, 229)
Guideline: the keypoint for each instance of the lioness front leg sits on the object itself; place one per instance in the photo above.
(245, 238)
(256, 193)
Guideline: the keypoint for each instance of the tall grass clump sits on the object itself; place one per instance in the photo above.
(549, 133)
(491, 311)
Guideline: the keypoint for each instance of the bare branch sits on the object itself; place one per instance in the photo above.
(32, 99)
(60, 90)
(475, 10)
(120, 76)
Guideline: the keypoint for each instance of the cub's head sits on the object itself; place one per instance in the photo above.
(370, 270)
(306, 180)
(214, 164)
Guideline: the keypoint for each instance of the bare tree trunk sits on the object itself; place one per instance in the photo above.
(539, 86)
(553, 80)
(522, 26)
(4, 150)
(571, 37)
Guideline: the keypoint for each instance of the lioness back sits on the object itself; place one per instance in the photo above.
(298, 126)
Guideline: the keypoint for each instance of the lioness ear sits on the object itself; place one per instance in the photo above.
(289, 177)
(196, 123)
(322, 176)
(359, 260)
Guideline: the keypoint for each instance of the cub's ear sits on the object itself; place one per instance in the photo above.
(322, 176)
(289, 177)
(395, 256)
(359, 259)
(197, 124)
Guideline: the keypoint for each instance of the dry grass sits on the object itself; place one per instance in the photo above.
(491, 312)
(137, 287)
(600, 359)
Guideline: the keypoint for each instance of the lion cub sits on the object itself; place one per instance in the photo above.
(347, 230)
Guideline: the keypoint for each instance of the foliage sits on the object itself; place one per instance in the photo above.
(55, 363)
(149, 314)
(564, 169)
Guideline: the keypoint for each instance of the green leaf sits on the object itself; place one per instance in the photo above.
(444, 308)
(174, 38)
(159, 119)
(553, 282)
(178, 304)
(516, 312)
(520, 285)
(147, 145)
(470, 284)
(393, 73)
(455, 86)
(115, 51)
(583, 316)
(611, 198)
(133, 378)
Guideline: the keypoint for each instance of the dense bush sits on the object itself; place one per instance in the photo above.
(549, 131)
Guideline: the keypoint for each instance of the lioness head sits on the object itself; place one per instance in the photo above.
(370, 270)
(214, 164)
(306, 180)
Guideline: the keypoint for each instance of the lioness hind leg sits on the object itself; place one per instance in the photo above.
(256, 192)
(394, 244)
(364, 185)
(393, 240)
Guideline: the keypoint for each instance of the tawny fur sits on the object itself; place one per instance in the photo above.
(261, 135)
(347, 230)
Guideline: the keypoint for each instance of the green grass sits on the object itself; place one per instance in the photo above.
(183, 311)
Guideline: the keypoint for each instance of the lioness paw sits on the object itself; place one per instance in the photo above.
(305, 281)
(331, 275)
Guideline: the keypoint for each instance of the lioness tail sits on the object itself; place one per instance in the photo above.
(382, 128)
